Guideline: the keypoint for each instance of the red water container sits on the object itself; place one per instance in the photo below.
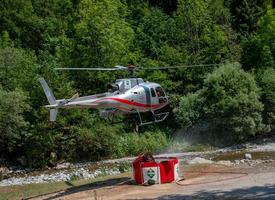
(139, 165)
(160, 170)
(168, 170)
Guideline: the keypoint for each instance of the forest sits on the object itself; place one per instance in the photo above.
(224, 104)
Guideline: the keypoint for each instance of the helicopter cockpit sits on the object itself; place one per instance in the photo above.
(122, 85)
(157, 94)
(161, 95)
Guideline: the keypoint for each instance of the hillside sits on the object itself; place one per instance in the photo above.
(216, 105)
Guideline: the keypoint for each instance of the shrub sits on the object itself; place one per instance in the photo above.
(134, 144)
(229, 103)
(232, 102)
(97, 143)
(189, 109)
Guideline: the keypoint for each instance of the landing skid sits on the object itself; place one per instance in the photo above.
(135, 118)
(156, 118)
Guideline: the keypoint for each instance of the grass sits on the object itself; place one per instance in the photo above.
(33, 190)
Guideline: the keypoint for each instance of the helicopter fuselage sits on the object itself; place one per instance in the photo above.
(141, 98)
(131, 96)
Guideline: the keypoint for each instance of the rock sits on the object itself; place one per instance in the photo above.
(250, 163)
(199, 160)
(224, 162)
(237, 162)
(4, 171)
(257, 161)
(53, 158)
(63, 166)
(248, 156)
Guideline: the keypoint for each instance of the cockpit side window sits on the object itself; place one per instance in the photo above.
(160, 92)
(127, 84)
(153, 94)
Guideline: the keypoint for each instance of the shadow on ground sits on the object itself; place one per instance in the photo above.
(90, 186)
(257, 192)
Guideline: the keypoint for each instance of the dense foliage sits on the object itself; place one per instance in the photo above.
(229, 103)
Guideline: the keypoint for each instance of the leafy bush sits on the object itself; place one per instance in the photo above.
(232, 102)
(189, 109)
(229, 102)
(134, 144)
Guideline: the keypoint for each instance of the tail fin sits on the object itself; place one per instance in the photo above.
(47, 91)
(50, 97)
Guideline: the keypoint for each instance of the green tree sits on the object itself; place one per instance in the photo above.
(233, 102)
(207, 37)
(192, 19)
(246, 13)
(229, 103)
(259, 48)
(5, 40)
(251, 48)
(220, 13)
(267, 26)
(24, 27)
(13, 126)
(17, 68)
(56, 19)
(267, 83)
(266, 58)
(102, 35)
(157, 37)
(102, 38)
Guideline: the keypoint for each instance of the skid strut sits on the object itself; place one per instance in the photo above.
(157, 118)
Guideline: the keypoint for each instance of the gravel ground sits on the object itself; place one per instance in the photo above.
(65, 175)
(259, 183)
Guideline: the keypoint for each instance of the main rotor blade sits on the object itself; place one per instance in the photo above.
(182, 66)
(91, 69)
(123, 68)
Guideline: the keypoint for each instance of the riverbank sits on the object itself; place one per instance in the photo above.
(262, 151)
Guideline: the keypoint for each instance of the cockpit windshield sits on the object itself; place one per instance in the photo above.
(160, 92)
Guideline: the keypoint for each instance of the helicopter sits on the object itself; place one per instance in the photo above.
(128, 96)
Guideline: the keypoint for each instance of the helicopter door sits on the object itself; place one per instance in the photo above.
(154, 98)
(160, 95)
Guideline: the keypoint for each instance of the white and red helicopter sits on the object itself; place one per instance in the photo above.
(129, 96)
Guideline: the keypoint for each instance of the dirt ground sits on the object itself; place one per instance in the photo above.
(202, 182)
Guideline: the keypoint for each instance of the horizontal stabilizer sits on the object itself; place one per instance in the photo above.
(75, 96)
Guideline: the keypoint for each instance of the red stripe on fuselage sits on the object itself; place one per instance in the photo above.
(134, 103)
